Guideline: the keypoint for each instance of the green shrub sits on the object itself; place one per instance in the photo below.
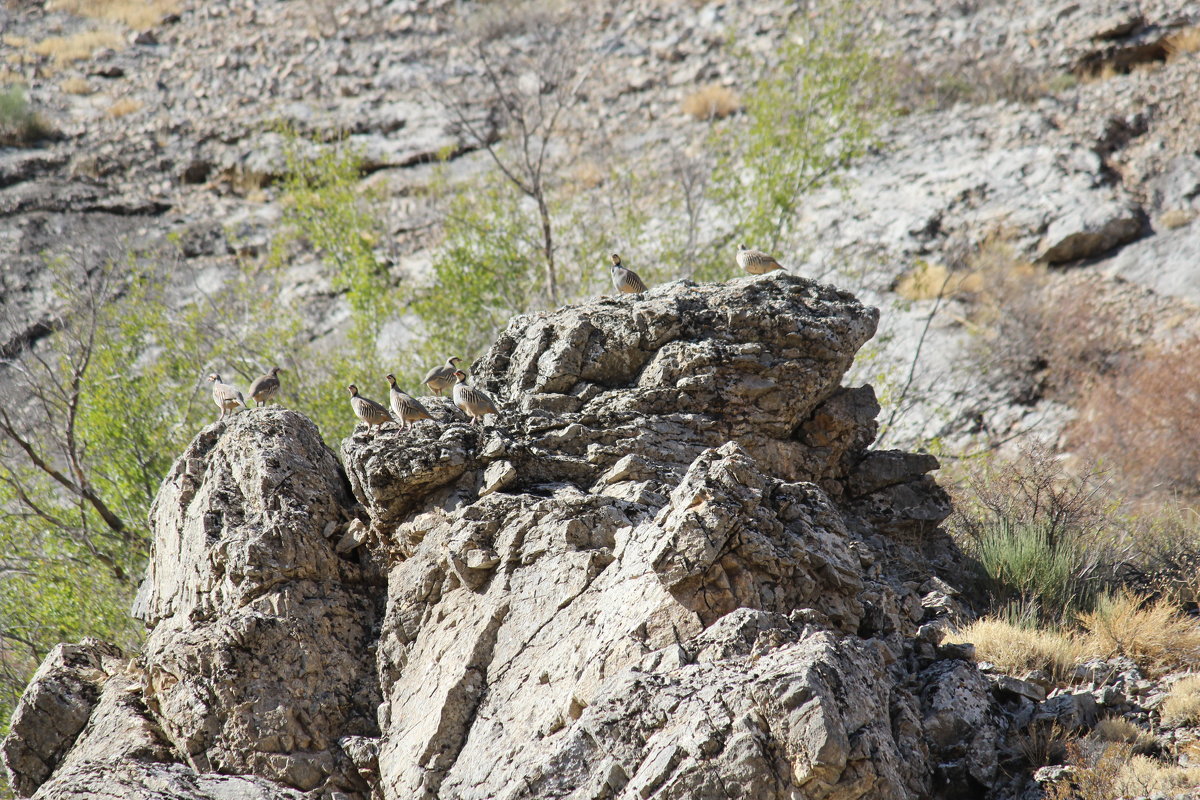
(19, 123)
(1032, 565)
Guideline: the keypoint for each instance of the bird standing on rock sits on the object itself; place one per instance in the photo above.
(405, 408)
(225, 396)
(625, 280)
(439, 379)
(265, 386)
(474, 403)
(756, 262)
(367, 410)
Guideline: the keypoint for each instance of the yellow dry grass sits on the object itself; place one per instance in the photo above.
(1154, 635)
(137, 14)
(126, 105)
(1119, 729)
(78, 46)
(589, 174)
(927, 281)
(1176, 218)
(76, 85)
(1141, 776)
(712, 102)
(1182, 706)
(1183, 42)
(1015, 650)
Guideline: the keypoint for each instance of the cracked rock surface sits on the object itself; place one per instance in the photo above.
(670, 568)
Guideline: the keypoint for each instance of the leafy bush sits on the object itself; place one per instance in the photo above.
(1032, 565)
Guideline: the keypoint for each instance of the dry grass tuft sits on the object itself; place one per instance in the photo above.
(1119, 729)
(589, 174)
(1155, 635)
(927, 281)
(137, 14)
(1015, 649)
(1184, 42)
(76, 85)
(1176, 218)
(77, 47)
(1142, 776)
(712, 102)
(1182, 706)
(126, 105)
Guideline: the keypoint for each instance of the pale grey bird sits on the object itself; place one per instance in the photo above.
(756, 262)
(367, 410)
(474, 403)
(265, 387)
(225, 396)
(439, 379)
(405, 408)
(625, 280)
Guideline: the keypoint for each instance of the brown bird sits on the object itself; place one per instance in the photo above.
(474, 403)
(756, 262)
(225, 396)
(439, 379)
(367, 410)
(405, 407)
(625, 280)
(265, 386)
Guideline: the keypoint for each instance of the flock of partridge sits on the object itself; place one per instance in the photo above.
(406, 409)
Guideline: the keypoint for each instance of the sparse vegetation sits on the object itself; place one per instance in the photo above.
(713, 101)
(1119, 729)
(137, 14)
(19, 123)
(124, 107)
(1182, 706)
(77, 46)
(1155, 634)
(1017, 649)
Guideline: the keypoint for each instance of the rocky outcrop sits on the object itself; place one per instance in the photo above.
(670, 568)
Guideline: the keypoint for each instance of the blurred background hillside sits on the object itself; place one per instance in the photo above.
(347, 189)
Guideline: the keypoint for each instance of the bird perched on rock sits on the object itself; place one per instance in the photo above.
(756, 262)
(624, 279)
(367, 410)
(265, 386)
(439, 379)
(225, 396)
(405, 408)
(474, 403)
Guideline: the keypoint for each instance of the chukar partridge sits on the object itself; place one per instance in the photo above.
(474, 403)
(439, 379)
(405, 408)
(756, 262)
(368, 411)
(265, 386)
(624, 279)
(225, 396)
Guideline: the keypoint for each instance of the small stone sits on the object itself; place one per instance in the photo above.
(963, 651)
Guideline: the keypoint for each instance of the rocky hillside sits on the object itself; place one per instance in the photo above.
(672, 567)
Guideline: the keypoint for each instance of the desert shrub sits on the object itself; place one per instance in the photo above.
(1043, 538)
(1140, 417)
(1019, 648)
(19, 123)
(971, 82)
(1155, 635)
(1142, 776)
(1119, 729)
(123, 107)
(1182, 706)
(1164, 555)
(1032, 565)
(712, 102)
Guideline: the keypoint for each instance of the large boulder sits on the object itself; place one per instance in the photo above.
(671, 567)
